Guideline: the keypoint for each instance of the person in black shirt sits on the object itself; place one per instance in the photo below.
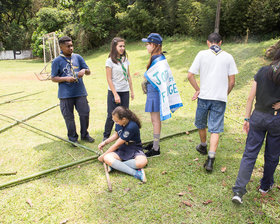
(264, 121)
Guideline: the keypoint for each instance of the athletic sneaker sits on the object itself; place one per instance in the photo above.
(265, 191)
(109, 168)
(148, 147)
(237, 198)
(202, 149)
(140, 175)
(153, 153)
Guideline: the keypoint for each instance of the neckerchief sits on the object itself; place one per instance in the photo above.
(71, 66)
(216, 49)
(123, 68)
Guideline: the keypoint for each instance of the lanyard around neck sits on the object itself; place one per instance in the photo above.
(123, 68)
(71, 65)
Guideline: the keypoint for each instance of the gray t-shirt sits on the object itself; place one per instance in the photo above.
(118, 78)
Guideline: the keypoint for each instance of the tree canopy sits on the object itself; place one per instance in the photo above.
(92, 22)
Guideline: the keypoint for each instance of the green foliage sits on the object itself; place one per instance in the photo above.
(97, 18)
(188, 15)
(136, 23)
(264, 16)
(51, 19)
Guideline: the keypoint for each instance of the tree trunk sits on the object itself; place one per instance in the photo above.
(217, 21)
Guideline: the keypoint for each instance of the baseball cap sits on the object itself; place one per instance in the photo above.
(153, 38)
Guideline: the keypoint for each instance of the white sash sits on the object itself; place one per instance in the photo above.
(160, 76)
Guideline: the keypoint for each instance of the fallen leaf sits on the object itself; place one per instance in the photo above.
(163, 172)
(189, 188)
(207, 202)
(187, 132)
(136, 73)
(64, 221)
(223, 169)
(187, 203)
(190, 140)
(127, 189)
(196, 159)
(79, 166)
(175, 144)
(250, 180)
(224, 183)
(28, 201)
(189, 164)
(182, 193)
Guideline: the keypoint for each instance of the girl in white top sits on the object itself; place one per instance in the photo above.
(119, 82)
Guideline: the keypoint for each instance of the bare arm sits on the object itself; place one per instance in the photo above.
(276, 106)
(231, 83)
(130, 84)
(113, 147)
(249, 105)
(111, 85)
(194, 84)
(63, 79)
(83, 72)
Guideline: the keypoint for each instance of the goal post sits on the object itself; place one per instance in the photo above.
(50, 51)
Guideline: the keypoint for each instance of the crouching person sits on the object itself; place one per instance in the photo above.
(126, 154)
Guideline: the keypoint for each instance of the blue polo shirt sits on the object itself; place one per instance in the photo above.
(62, 68)
(130, 132)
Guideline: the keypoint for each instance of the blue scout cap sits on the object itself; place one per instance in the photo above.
(153, 38)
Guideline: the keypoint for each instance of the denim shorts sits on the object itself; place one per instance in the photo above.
(213, 111)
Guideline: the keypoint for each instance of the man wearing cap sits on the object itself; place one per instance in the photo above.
(68, 70)
(217, 71)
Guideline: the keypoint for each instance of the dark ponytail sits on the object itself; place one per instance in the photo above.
(274, 71)
(124, 112)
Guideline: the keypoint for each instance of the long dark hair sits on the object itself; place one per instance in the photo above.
(157, 50)
(124, 112)
(114, 53)
(274, 71)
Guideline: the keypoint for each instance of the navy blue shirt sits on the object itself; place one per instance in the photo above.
(62, 68)
(130, 132)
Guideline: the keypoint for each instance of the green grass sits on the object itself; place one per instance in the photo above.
(79, 194)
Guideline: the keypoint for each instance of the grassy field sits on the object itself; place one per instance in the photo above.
(176, 178)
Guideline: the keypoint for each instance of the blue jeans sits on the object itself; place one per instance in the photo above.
(213, 111)
(261, 124)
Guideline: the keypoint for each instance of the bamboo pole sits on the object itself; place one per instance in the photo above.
(25, 119)
(45, 172)
(8, 173)
(107, 176)
(48, 133)
(9, 101)
(173, 135)
(11, 94)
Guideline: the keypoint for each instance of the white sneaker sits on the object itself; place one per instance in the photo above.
(237, 198)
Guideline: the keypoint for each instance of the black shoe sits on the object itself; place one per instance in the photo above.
(88, 139)
(202, 149)
(148, 147)
(74, 142)
(237, 198)
(153, 153)
(208, 165)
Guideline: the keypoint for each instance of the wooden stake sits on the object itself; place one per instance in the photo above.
(107, 175)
